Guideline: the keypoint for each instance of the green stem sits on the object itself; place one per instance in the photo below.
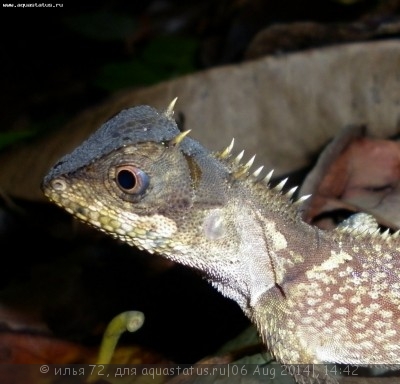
(126, 321)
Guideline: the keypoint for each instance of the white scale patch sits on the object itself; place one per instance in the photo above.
(322, 271)
(159, 225)
(278, 241)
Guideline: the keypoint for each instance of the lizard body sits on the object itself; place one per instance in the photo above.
(315, 296)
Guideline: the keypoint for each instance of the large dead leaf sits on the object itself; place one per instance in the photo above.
(284, 108)
(355, 173)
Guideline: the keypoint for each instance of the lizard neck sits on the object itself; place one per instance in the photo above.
(263, 256)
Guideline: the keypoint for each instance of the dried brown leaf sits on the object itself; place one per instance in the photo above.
(356, 173)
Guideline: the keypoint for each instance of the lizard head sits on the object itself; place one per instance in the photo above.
(140, 179)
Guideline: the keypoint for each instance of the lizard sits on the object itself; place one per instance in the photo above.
(314, 296)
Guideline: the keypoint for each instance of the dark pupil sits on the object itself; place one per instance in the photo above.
(126, 179)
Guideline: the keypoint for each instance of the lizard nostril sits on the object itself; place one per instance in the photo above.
(58, 184)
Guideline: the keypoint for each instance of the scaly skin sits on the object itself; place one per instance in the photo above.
(315, 296)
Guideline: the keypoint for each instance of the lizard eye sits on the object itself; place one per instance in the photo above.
(131, 180)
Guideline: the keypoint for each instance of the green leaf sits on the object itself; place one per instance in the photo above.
(9, 138)
(101, 25)
(173, 53)
(115, 76)
(163, 58)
